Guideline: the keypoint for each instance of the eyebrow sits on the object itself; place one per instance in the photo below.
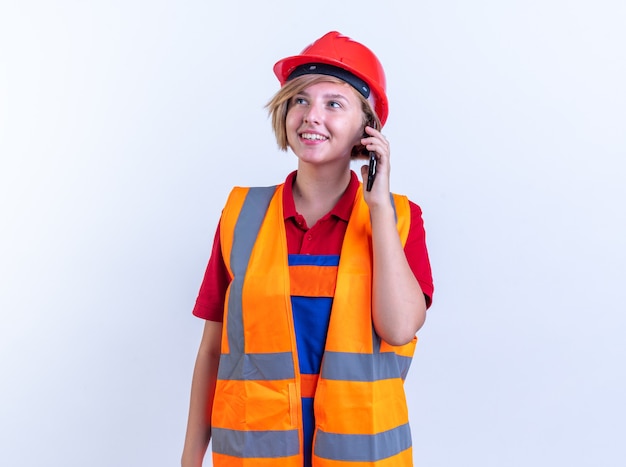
(326, 96)
(335, 96)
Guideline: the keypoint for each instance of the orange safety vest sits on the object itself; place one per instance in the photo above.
(361, 416)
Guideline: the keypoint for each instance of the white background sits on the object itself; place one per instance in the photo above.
(124, 124)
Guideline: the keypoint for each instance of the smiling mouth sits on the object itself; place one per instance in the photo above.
(313, 137)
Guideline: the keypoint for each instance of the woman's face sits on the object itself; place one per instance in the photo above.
(324, 122)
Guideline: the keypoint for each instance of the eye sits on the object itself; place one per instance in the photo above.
(334, 104)
(298, 100)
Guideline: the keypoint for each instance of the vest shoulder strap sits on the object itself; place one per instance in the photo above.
(240, 222)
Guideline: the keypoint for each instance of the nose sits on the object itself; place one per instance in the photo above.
(312, 114)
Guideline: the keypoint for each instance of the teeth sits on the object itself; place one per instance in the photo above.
(312, 136)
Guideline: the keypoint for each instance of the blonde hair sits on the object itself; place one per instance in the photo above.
(278, 106)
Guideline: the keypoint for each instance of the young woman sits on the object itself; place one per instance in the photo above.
(315, 288)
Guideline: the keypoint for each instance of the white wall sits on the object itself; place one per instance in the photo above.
(123, 124)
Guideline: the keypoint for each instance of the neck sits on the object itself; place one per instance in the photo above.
(315, 195)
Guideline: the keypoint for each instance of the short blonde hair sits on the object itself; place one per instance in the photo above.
(278, 106)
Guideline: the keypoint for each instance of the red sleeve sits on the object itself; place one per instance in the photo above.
(210, 301)
(417, 253)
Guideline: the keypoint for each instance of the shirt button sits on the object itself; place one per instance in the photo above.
(309, 237)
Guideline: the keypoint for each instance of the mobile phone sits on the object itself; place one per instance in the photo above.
(371, 172)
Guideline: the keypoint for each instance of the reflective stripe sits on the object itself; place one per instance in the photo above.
(404, 363)
(259, 444)
(237, 365)
(393, 204)
(362, 448)
(264, 366)
(366, 367)
(345, 366)
(244, 237)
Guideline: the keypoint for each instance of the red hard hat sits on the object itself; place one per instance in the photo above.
(340, 51)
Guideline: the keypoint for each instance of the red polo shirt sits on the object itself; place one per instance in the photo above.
(324, 238)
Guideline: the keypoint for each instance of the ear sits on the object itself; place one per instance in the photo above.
(359, 151)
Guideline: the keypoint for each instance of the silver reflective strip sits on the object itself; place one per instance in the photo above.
(265, 366)
(244, 237)
(393, 204)
(344, 366)
(375, 341)
(237, 365)
(403, 362)
(260, 444)
(362, 448)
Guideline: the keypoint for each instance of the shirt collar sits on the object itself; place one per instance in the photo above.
(341, 210)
